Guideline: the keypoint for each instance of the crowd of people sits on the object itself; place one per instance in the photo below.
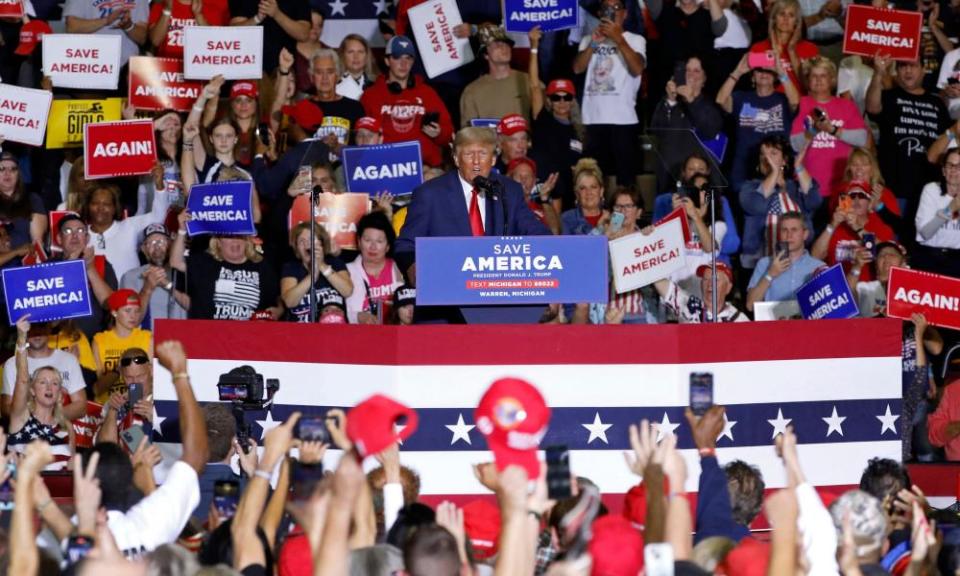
(809, 158)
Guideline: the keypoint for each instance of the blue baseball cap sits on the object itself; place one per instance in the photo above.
(400, 46)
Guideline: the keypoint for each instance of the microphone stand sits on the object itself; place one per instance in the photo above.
(711, 197)
(315, 193)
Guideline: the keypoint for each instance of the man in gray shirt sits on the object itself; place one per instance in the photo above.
(155, 280)
(125, 18)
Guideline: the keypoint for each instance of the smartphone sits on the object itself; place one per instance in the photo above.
(263, 132)
(312, 429)
(6, 489)
(304, 479)
(680, 73)
(952, 80)
(869, 241)
(305, 175)
(226, 496)
(845, 204)
(558, 473)
(761, 60)
(431, 117)
(701, 392)
(781, 248)
(817, 114)
(132, 437)
(616, 221)
(607, 12)
(134, 394)
(658, 559)
(78, 547)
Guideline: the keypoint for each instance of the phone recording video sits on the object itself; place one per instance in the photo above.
(558, 473)
(312, 429)
(226, 497)
(701, 392)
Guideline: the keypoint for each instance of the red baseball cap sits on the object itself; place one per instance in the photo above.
(635, 503)
(243, 88)
(721, 267)
(121, 298)
(368, 123)
(512, 124)
(521, 160)
(749, 558)
(513, 416)
(371, 424)
(481, 522)
(306, 114)
(616, 547)
(561, 85)
(31, 34)
(857, 187)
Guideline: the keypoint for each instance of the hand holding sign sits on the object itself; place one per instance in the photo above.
(23, 326)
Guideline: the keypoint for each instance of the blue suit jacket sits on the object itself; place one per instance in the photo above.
(438, 209)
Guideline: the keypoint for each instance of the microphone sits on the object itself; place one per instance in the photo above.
(488, 186)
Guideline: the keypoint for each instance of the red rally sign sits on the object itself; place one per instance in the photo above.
(118, 149)
(158, 84)
(11, 8)
(895, 33)
(936, 297)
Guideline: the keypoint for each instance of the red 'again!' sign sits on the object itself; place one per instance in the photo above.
(118, 149)
(894, 33)
(936, 297)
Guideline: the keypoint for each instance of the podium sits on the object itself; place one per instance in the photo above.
(507, 280)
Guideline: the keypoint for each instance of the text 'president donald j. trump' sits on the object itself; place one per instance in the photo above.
(458, 204)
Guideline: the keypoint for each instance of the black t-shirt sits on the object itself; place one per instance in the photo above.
(908, 126)
(223, 291)
(301, 312)
(556, 148)
(274, 37)
(339, 116)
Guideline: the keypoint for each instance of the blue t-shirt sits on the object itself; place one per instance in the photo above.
(756, 118)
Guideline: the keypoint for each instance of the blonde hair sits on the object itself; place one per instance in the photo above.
(875, 178)
(250, 251)
(319, 230)
(820, 62)
(474, 135)
(369, 70)
(58, 416)
(587, 167)
(78, 189)
(781, 5)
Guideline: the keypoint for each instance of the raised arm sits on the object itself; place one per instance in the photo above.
(18, 406)
(193, 428)
(533, 70)
(178, 259)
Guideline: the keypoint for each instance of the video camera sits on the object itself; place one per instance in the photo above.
(244, 388)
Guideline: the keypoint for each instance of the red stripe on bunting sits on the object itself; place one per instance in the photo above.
(533, 344)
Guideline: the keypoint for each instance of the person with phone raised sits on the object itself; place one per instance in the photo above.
(778, 277)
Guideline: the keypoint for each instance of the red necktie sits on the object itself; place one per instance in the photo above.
(476, 221)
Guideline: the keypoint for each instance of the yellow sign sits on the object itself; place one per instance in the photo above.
(68, 117)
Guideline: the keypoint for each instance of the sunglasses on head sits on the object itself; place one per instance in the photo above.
(134, 360)
(561, 97)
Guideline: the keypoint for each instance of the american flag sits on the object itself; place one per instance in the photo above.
(342, 17)
(783, 204)
(836, 382)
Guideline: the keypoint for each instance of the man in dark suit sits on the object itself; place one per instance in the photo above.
(452, 206)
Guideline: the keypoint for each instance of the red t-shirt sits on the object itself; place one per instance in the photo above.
(844, 242)
(805, 51)
(215, 11)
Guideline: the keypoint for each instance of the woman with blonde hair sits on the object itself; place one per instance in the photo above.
(36, 410)
(862, 166)
(786, 40)
(229, 281)
(358, 66)
(589, 190)
(330, 271)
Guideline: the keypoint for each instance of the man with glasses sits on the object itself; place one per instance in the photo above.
(614, 61)
(159, 285)
(73, 237)
(40, 355)
(135, 369)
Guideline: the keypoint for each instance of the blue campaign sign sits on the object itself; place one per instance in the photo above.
(827, 295)
(394, 168)
(221, 208)
(48, 291)
(484, 122)
(522, 15)
(511, 270)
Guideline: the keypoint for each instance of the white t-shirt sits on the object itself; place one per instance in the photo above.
(159, 517)
(737, 34)
(871, 298)
(610, 92)
(931, 202)
(65, 362)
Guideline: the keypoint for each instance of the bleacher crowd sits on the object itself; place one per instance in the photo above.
(811, 158)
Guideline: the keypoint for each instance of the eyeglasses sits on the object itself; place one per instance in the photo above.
(75, 231)
(623, 207)
(12, 169)
(158, 242)
(561, 97)
(138, 360)
(952, 166)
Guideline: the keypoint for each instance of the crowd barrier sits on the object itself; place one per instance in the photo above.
(837, 383)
